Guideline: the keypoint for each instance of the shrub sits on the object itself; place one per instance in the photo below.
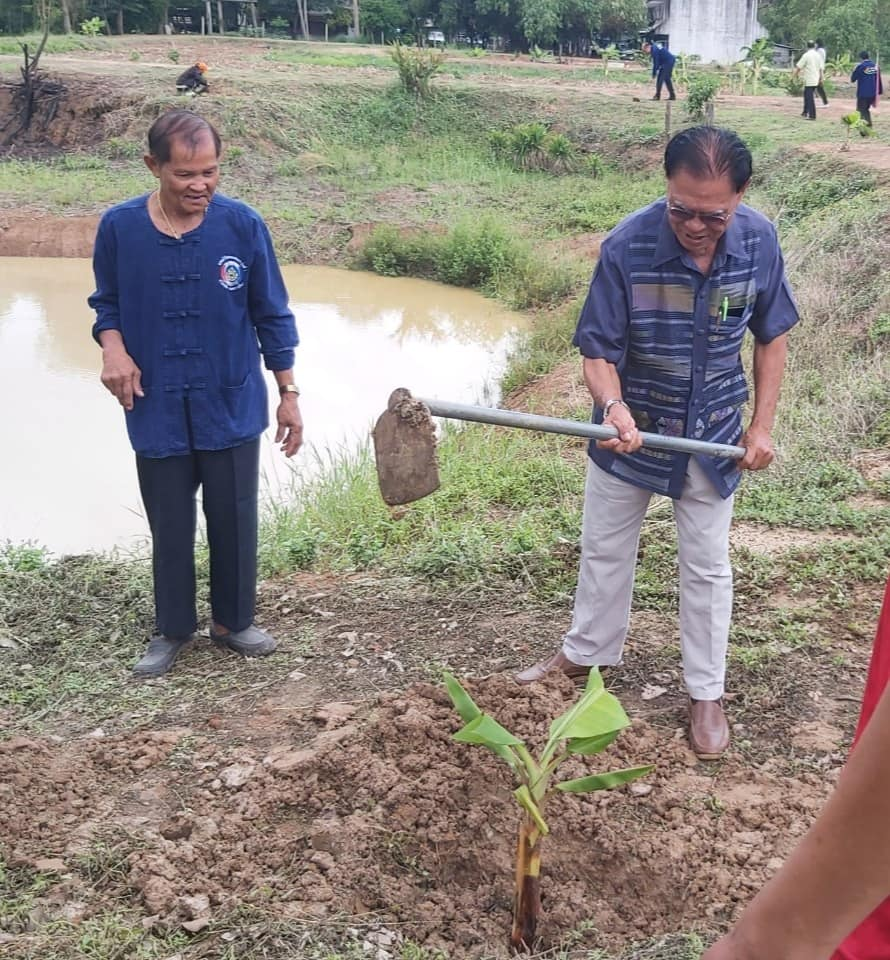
(560, 152)
(173, 54)
(529, 146)
(92, 27)
(476, 254)
(500, 143)
(794, 85)
(416, 67)
(393, 253)
(702, 89)
(594, 165)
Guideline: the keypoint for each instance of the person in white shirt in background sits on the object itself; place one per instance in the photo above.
(810, 68)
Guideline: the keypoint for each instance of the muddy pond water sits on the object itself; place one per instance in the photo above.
(68, 478)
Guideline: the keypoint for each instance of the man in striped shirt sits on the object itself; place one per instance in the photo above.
(677, 285)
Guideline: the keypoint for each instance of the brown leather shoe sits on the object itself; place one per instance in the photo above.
(559, 661)
(708, 729)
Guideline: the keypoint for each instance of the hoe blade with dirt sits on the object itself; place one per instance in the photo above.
(405, 440)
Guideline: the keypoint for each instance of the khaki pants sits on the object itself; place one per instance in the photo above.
(613, 515)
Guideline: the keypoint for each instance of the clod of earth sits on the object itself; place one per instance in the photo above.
(405, 450)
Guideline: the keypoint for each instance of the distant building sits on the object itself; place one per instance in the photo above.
(783, 55)
(714, 30)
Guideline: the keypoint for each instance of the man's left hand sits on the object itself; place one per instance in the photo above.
(758, 445)
(290, 425)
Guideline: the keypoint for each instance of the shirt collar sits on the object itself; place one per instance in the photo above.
(667, 246)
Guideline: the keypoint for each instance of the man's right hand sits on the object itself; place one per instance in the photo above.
(628, 439)
(121, 376)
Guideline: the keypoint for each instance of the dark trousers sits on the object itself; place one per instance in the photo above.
(822, 94)
(864, 105)
(229, 481)
(664, 77)
(809, 102)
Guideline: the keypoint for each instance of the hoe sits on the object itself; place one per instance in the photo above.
(405, 440)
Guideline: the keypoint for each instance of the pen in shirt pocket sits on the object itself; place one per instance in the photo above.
(724, 309)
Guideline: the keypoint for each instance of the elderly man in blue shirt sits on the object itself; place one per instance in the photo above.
(189, 298)
(677, 285)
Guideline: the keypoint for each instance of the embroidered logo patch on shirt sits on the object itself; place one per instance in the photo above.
(232, 273)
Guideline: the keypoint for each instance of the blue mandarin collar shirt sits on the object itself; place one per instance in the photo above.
(196, 315)
(675, 336)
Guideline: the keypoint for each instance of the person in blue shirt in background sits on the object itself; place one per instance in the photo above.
(662, 68)
(869, 87)
(189, 298)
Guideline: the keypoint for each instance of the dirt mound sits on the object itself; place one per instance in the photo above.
(57, 237)
(373, 809)
(86, 112)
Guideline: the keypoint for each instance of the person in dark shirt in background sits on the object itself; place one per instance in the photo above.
(193, 80)
(662, 68)
(869, 87)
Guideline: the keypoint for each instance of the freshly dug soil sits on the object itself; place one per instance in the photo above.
(370, 808)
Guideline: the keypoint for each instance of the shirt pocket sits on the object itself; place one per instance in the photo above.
(731, 308)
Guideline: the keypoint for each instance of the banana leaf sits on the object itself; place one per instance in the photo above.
(462, 701)
(485, 730)
(604, 781)
(469, 712)
(595, 714)
(586, 746)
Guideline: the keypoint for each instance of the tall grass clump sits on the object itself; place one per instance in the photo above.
(531, 146)
(417, 66)
(481, 254)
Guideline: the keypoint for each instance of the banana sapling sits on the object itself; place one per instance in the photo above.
(586, 728)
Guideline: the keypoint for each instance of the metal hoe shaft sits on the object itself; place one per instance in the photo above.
(574, 428)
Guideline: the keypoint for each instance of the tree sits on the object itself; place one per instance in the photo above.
(382, 17)
(303, 17)
(618, 17)
(541, 20)
(759, 54)
(845, 26)
(849, 27)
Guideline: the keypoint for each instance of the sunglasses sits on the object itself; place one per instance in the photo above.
(717, 218)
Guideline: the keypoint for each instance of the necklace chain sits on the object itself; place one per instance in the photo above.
(176, 233)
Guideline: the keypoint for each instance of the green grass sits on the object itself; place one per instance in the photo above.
(55, 43)
(71, 629)
(74, 181)
(508, 507)
(481, 253)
